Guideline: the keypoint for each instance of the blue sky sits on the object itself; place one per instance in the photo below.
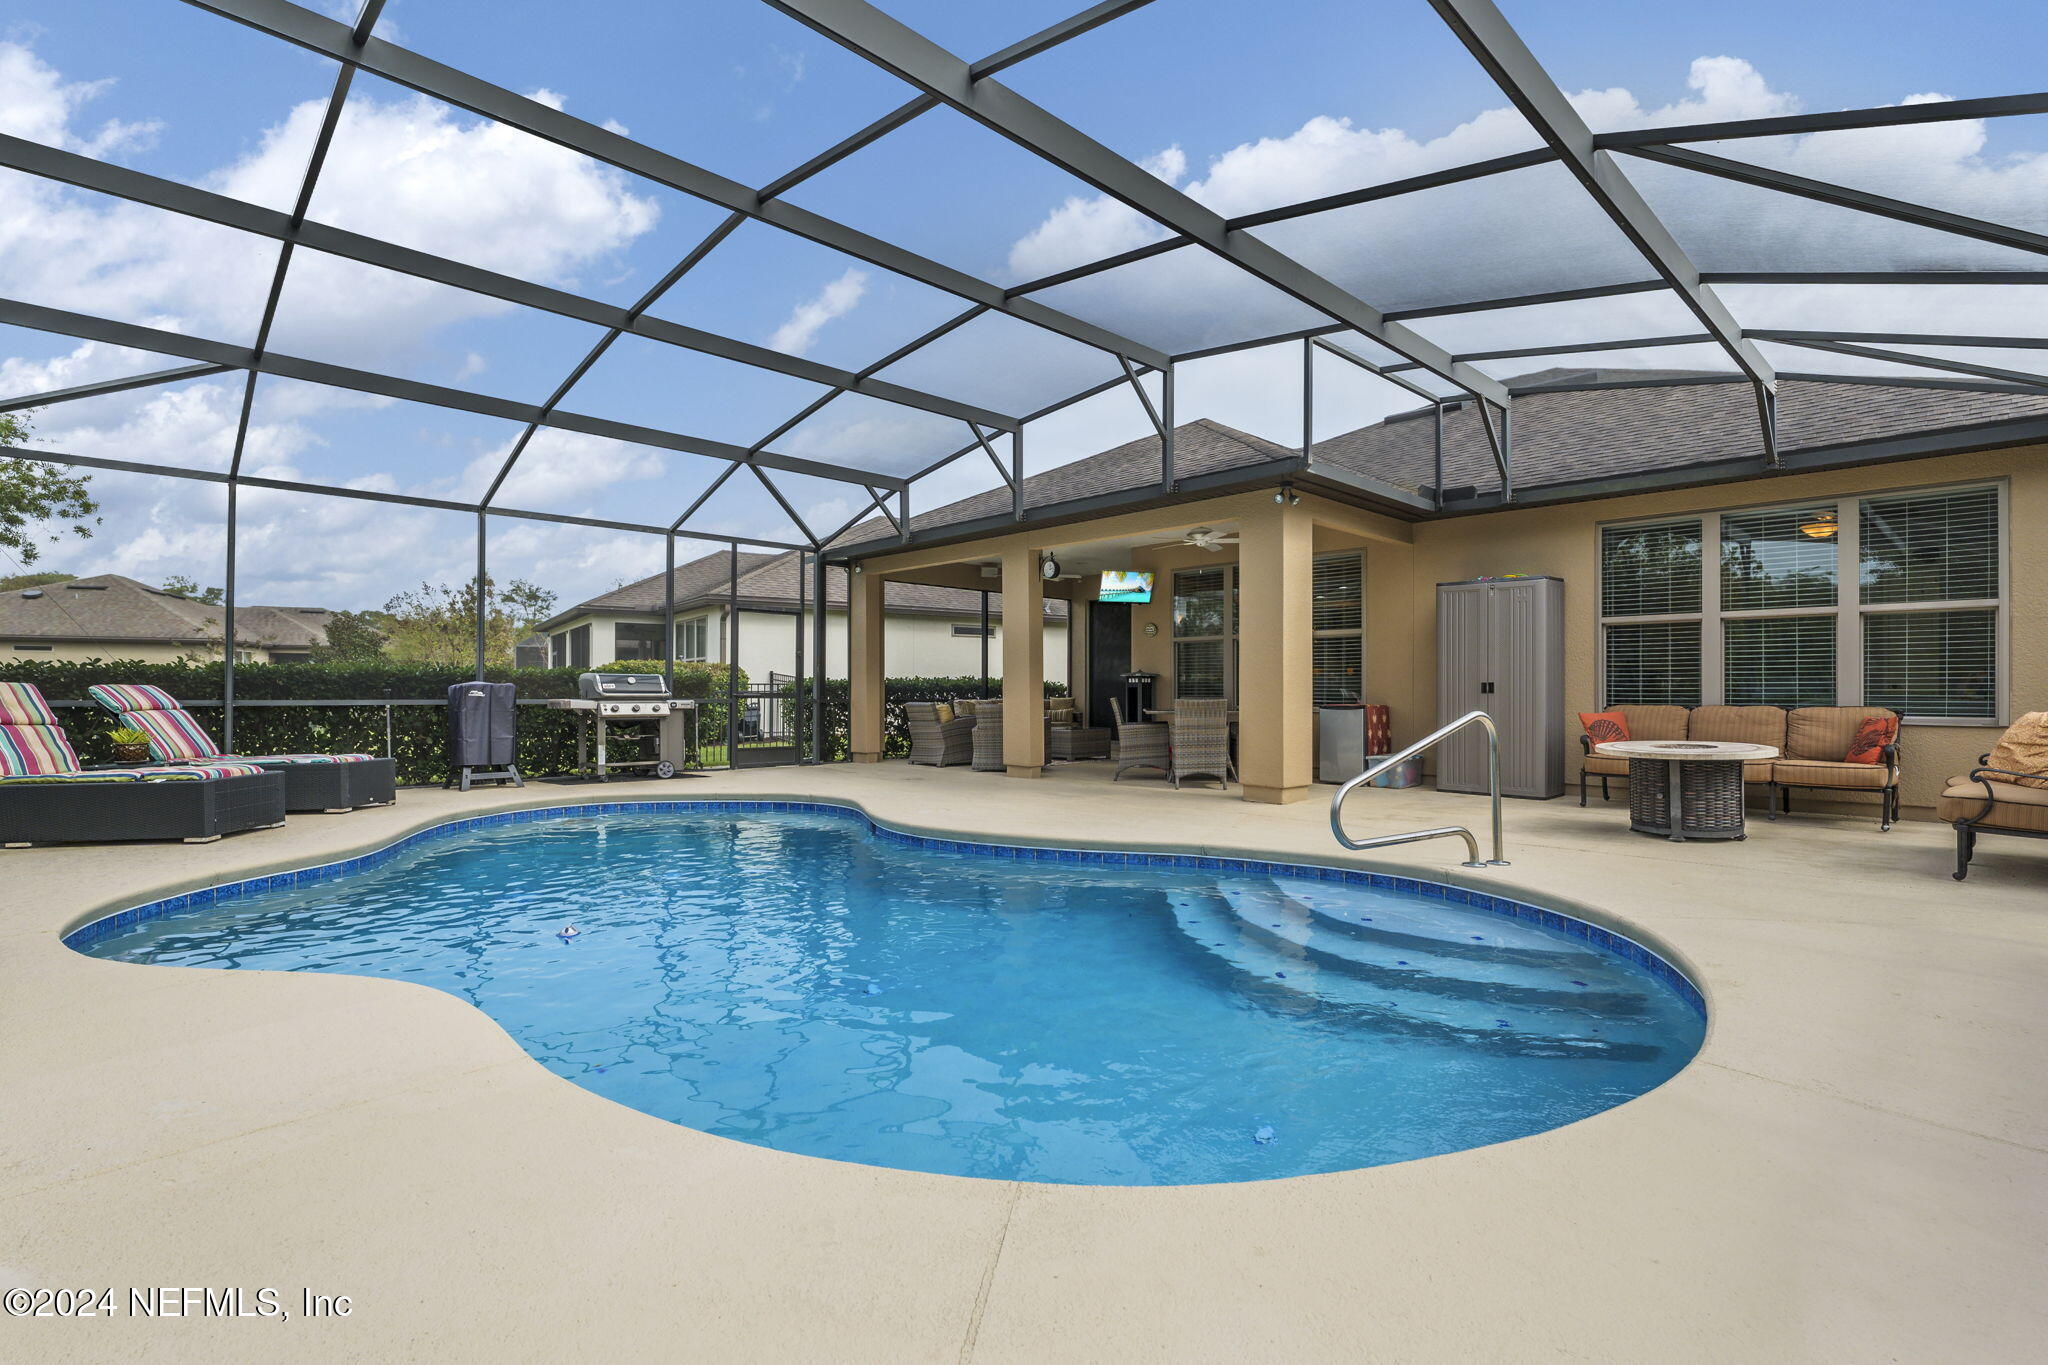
(1241, 110)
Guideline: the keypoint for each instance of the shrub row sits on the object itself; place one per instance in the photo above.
(895, 729)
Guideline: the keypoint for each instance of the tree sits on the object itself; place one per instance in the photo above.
(34, 498)
(33, 580)
(177, 585)
(437, 623)
(355, 637)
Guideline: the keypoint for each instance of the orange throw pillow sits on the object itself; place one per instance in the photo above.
(1604, 727)
(1871, 737)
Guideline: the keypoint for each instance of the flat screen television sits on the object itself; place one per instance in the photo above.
(1124, 585)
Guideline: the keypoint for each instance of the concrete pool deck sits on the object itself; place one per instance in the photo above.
(1854, 1168)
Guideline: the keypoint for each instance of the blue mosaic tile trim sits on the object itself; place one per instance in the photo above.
(1591, 934)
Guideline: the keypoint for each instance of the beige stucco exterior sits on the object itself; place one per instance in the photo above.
(1404, 561)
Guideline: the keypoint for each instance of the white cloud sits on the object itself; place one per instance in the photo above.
(838, 298)
(38, 104)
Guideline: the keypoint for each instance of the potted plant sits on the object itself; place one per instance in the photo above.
(130, 745)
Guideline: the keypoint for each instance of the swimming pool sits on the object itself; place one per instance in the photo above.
(798, 978)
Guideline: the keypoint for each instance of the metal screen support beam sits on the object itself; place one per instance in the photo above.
(1362, 363)
(1169, 471)
(732, 658)
(1498, 48)
(1767, 418)
(227, 662)
(1308, 401)
(2034, 381)
(984, 642)
(481, 604)
(1889, 116)
(1017, 474)
(1438, 491)
(107, 386)
(895, 47)
(821, 666)
(1145, 398)
(797, 735)
(1502, 452)
(668, 613)
(903, 514)
(1841, 196)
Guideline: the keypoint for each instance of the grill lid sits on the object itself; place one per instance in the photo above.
(628, 686)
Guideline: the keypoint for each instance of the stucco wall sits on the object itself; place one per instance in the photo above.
(1564, 541)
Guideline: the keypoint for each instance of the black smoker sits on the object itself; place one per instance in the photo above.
(483, 733)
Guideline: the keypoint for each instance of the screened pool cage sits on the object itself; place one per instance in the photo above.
(1787, 246)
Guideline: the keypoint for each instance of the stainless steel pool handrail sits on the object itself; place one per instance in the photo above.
(1492, 782)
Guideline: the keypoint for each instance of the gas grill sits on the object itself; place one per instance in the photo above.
(604, 700)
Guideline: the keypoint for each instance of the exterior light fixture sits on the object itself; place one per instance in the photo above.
(1287, 497)
(1822, 527)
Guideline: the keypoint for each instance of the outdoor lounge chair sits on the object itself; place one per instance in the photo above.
(1200, 735)
(1139, 744)
(2006, 793)
(938, 738)
(988, 738)
(313, 782)
(47, 797)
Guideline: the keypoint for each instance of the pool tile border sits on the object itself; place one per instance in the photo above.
(1594, 935)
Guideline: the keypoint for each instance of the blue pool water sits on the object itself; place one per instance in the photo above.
(794, 980)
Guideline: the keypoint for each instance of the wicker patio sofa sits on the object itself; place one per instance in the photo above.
(48, 797)
(2006, 793)
(938, 737)
(1813, 743)
(313, 782)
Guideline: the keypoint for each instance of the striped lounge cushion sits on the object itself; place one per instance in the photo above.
(35, 751)
(292, 760)
(22, 704)
(198, 770)
(174, 736)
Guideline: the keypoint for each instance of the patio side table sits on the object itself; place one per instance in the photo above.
(1077, 741)
(1686, 789)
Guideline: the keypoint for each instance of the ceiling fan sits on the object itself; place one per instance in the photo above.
(1208, 538)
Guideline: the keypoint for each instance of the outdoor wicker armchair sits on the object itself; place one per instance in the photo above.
(1200, 734)
(938, 738)
(1139, 744)
(988, 739)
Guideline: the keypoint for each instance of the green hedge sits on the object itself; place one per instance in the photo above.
(896, 691)
(547, 739)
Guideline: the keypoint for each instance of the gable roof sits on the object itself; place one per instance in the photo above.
(1662, 420)
(770, 580)
(115, 607)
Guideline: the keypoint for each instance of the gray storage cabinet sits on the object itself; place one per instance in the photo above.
(1500, 649)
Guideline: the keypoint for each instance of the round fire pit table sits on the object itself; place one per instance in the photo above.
(1685, 789)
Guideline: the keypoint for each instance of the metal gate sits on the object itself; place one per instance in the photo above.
(768, 719)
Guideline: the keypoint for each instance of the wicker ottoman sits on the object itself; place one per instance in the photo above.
(1078, 741)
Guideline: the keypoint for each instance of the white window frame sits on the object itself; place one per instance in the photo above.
(701, 627)
(1849, 610)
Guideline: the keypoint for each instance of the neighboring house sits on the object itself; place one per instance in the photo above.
(932, 631)
(109, 616)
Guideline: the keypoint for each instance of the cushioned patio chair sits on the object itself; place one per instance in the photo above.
(1841, 749)
(2006, 793)
(1200, 735)
(938, 738)
(48, 797)
(313, 782)
(1139, 744)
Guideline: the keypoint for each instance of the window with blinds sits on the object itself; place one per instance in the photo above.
(1650, 570)
(1932, 663)
(1930, 547)
(1778, 661)
(1893, 600)
(1778, 559)
(1203, 632)
(1653, 664)
(1339, 620)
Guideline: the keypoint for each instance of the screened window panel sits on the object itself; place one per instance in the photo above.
(1930, 547)
(1339, 670)
(1650, 570)
(1779, 661)
(636, 640)
(1339, 585)
(691, 638)
(1198, 668)
(1198, 603)
(1778, 559)
(1932, 663)
(1654, 664)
